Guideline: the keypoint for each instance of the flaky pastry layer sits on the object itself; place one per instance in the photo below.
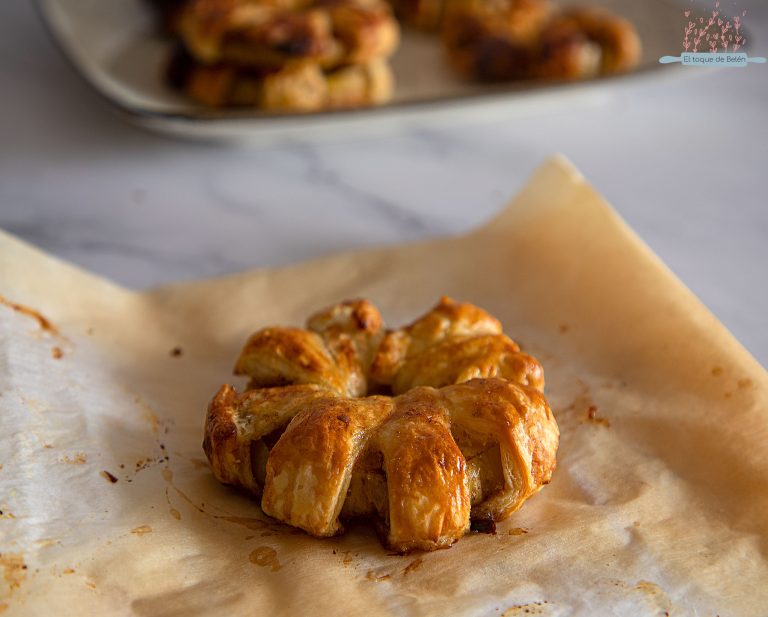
(463, 432)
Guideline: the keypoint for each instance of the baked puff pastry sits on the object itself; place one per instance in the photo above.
(295, 88)
(501, 40)
(311, 441)
(276, 33)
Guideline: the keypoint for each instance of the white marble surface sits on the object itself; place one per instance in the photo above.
(684, 161)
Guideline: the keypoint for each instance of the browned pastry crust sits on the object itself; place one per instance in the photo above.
(494, 40)
(501, 40)
(335, 351)
(308, 441)
(587, 42)
(451, 344)
(423, 463)
(277, 33)
(168, 12)
(310, 55)
(301, 88)
(422, 14)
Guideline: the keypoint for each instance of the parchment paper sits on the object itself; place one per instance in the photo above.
(659, 504)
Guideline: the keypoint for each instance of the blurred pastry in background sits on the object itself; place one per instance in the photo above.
(505, 40)
(311, 55)
(294, 87)
(283, 54)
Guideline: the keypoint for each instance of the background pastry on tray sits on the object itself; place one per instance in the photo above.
(300, 55)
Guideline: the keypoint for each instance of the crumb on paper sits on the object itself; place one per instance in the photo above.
(57, 353)
(517, 531)
(593, 417)
(108, 476)
(68, 571)
(78, 458)
(145, 463)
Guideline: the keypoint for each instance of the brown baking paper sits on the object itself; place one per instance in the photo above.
(659, 504)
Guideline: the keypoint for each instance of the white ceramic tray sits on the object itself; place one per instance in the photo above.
(115, 46)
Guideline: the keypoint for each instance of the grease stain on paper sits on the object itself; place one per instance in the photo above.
(148, 414)
(654, 594)
(46, 542)
(14, 570)
(78, 458)
(265, 556)
(199, 463)
(43, 322)
(141, 530)
(377, 578)
(413, 566)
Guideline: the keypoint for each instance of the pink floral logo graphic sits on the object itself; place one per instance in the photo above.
(713, 32)
(713, 38)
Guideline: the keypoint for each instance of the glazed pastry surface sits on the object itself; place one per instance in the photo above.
(463, 432)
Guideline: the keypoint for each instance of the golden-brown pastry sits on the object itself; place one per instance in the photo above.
(335, 351)
(302, 88)
(423, 463)
(502, 40)
(493, 40)
(585, 42)
(312, 441)
(422, 14)
(312, 55)
(278, 33)
(450, 344)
